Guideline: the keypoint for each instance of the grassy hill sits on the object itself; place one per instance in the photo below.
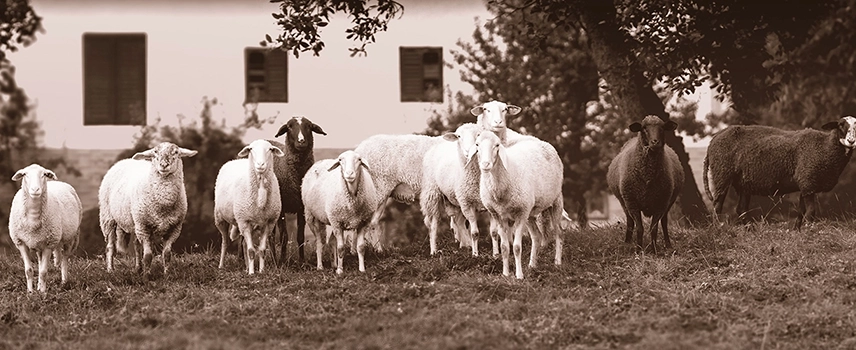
(723, 288)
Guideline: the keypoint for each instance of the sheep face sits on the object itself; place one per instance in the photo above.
(260, 154)
(349, 162)
(465, 136)
(490, 148)
(652, 131)
(492, 114)
(165, 157)
(298, 132)
(35, 180)
(846, 129)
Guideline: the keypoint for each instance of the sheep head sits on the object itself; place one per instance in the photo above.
(465, 136)
(845, 129)
(349, 162)
(165, 157)
(35, 180)
(298, 133)
(492, 115)
(260, 154)
(652, 131)
(489, 148)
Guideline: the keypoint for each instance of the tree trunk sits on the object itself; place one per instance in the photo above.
(634, 93)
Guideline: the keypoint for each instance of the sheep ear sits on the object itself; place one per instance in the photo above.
(477, 110)
(471, 154)
(450, 136)
(184, 152)
(18, 175)
(243, 153)
(276, 151)
(635, 127)
(365, 164)
(829, 126)
(317, 129)
(50, 174)
(513, 110)
(670, 125)
(503, 157)
(335, 165)
(282, 130)
(144, 155)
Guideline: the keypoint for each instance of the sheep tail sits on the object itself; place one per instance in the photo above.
(705, 179)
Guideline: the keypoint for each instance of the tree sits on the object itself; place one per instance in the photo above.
(18, 25)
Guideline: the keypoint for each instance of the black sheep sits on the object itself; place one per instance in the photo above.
(767, 161)
(647, 177)
(289, 170)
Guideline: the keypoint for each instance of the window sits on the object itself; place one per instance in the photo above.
(114, 79)
(266, 75)
(421, 74)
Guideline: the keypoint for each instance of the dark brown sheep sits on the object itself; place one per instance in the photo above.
(646, 177)
(289, 170)
(767, 161)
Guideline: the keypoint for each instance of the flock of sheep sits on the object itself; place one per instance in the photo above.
(484, 166)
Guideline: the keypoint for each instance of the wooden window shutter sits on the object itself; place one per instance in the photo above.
(114, 79)
(266, 75)
(421, 70)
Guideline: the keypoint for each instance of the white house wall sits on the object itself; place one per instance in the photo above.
(195, 51)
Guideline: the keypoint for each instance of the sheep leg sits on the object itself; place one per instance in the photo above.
(318, 230)
(504, 237)
(111, 249)
(283, 237)
(470, 216)
(63, 262)
(247, 232)
(147, 252)
(535, 237)
(340, 249)
(811, 207)
(263, 245)
(301, 227)
(361, 248)
(519, 226)
(432, 222)
(166, 254)
(800, 214)
(637, 221)
(44, 262)
(138, 254)
(653, 228)
(629, 221)
(28, 266)
(665, 222)
(494, 236)
(743, 207)
(223, 227)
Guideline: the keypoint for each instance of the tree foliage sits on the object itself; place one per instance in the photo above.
(300, 22)
(18, 25)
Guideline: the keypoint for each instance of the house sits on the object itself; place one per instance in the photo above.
(102, 68)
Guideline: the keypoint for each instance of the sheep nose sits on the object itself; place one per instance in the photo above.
(655, 142)
(35, 192)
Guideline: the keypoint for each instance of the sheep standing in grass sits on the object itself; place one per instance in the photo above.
(144, 196)
(396, 167)
(247, 200)
(450, 176)
(344, 199)
(762, 160)
(289, 170)
(516, 184)
(646, 177)
(44, 218)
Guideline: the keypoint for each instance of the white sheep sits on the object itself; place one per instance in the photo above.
(518, 183)
(344, 199)
(451, 182)
(396, 167)
(492, 116)
(44, 218)
(247, 200)
(144, 196)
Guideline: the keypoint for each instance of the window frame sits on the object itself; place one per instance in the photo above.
(268, 80)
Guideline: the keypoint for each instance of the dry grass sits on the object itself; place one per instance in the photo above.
(723, 288)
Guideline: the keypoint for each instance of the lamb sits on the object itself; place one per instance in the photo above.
(344, 199)
(44, 218)
(646, 177)
(289, 170)
(247, 200)
(516, 184)
(451, 181)
(144, 196)
(762, 160)
(396, 167)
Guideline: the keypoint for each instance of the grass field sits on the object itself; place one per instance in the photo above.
(756, 287)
